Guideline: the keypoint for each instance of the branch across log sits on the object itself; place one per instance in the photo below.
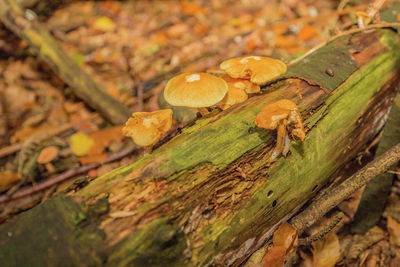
(211, 195)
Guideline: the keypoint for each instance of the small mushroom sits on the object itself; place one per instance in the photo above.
(46, 156)
(195, 90)
(363, 19)
(146, 128)
(281, 115)
(259, 69)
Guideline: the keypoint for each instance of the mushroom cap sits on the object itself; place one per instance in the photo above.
(233, 96)
(195, 90)
(271, 114)
(146, 128)
(47, 155)
(247, 86)
(259, 69)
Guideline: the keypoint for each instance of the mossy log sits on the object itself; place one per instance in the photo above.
(210, 194)
(47, 49)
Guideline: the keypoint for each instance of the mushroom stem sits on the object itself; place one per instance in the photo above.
(286, 145)
(147, 150)
(280, 140)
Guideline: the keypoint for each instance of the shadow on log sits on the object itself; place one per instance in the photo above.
(211, 195)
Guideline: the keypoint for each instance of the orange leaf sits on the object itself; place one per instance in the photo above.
(285, 42)
(7, 179)
(307, 32)
(47, 154)
(326, 251)
(97, 158)
(398, 17)
(285, 236)
(274, 257)
(103, 138)
(394, 231)
(191, 9)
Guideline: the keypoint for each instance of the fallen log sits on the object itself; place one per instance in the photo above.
(211, 195)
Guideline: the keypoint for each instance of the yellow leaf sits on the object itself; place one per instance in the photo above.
(104, 24)
(394, 230)
(326, 251)
(81, 143)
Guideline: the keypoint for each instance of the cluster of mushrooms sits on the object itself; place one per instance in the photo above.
(239, 77)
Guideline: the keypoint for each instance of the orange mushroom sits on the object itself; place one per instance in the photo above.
(259, 69)
(146, 128)
(195, 90)
(281, 114)
(234, 96)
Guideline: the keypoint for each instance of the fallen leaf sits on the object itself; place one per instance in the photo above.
(307, 33)
(326, 251)
(81, 143)
(394, 231)
(285, 236)
(104, 24)
(7, 179)
(191, 9)
(104, 137)
(274, 257)
(96, 158)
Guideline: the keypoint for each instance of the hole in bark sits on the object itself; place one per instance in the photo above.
(274, 203)
(315, 188)
(270, 192)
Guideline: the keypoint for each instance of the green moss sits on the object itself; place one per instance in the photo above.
(51, 234)
(156, 244)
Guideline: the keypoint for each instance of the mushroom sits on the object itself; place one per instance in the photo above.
(146, 128)
(281, 114)
(46, 156)
(195, 90)
(363, 19)
(259, 69)
(233, 96)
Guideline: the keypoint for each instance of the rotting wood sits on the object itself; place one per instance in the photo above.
(48, 50)
(212, 196)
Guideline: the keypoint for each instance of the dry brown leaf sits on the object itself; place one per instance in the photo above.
(7, 179)
(326, 251)
(275, 257)
(285, 235)
(394, 231)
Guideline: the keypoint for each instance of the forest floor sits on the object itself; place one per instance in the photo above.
(132, 48)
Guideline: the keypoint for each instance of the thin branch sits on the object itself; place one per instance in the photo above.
(64, 176)
(319, 208)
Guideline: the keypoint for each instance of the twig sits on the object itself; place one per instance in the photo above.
(307, 241)
(64, 176)
(318, 208)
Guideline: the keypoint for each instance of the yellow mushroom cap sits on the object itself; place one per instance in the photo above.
(146, 128)
(271, 114)
(195, 90)
(234, 96)
(259, 69)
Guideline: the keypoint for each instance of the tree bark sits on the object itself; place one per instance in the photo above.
(48, 50)
(210, 195)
